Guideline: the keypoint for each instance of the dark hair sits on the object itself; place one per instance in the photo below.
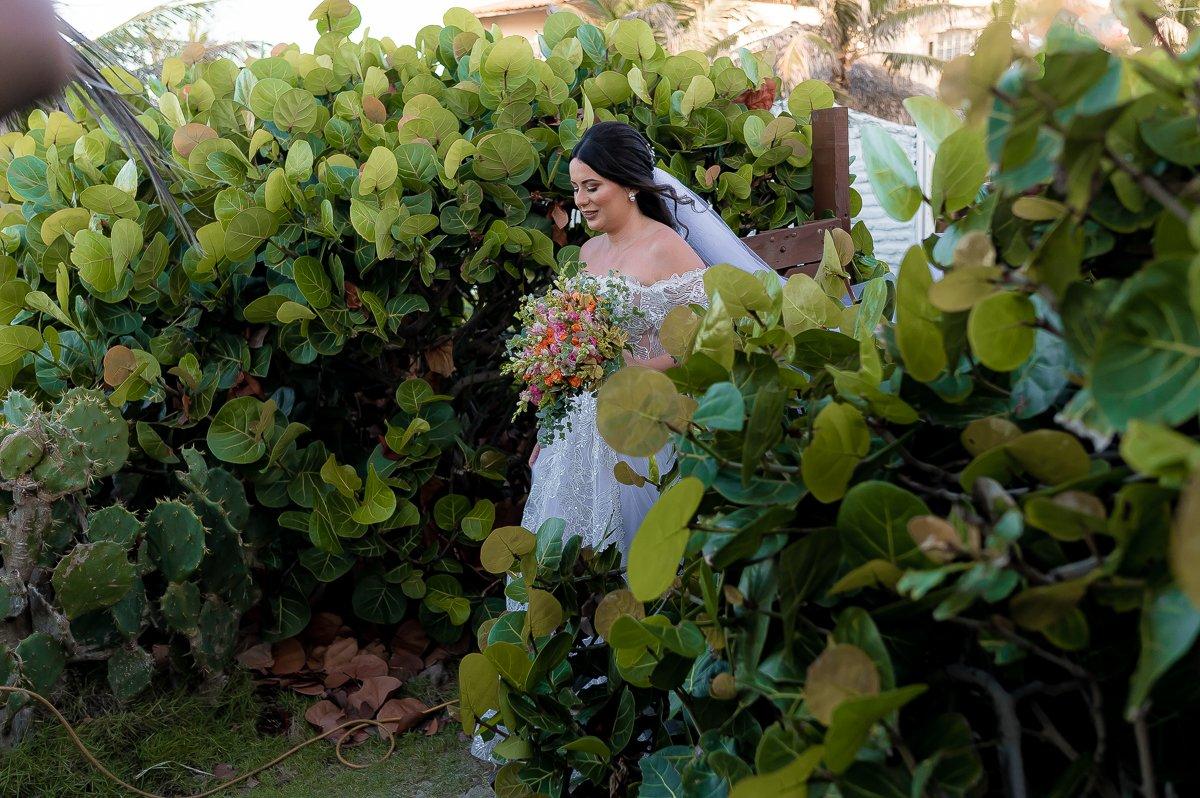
(619, 153)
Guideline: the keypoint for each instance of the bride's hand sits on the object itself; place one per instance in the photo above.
(537, 449)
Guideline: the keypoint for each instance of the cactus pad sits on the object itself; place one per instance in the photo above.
(42, 661)
(180, 606)
(212, 645)
(19, 451)
(93, 422)
(113, 523)
(129, 671)
(91, 577)
(176, 539)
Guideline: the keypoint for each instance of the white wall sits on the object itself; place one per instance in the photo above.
(892, 238)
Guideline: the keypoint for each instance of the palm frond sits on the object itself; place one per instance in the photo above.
(896, 22)
(148, 37)
(105, 103)
(897, 61)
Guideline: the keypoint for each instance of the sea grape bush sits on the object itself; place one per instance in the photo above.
(308, 387)
(946, 550)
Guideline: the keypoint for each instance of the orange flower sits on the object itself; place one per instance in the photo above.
(575, 382)
(554, 377)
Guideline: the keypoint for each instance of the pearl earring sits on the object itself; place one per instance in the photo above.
(632, 196)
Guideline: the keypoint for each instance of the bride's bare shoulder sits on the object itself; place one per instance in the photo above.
(670, 254)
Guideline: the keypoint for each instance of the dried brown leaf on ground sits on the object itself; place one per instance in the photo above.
(289, 657)
(256, 658)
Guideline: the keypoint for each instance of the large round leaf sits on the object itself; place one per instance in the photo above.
(873, 524)
(637, 409)
(891, 173)
(1001, 330)
(247, 230)
(660, 540)
(840, 440)
(236, 434)
(1147, 362)
(504, 156)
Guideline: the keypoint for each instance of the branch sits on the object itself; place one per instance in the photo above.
(1145, 759)
(1011, 760)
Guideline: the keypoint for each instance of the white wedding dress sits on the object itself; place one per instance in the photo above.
(573, 477)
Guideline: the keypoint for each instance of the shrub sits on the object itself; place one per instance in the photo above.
(323, 357)
(915, 561)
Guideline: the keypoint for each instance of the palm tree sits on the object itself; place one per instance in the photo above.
(852, 30)
(143, 41)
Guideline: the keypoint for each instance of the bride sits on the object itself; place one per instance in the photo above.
(658, 237)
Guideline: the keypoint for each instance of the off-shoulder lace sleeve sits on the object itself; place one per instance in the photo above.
(657, 300)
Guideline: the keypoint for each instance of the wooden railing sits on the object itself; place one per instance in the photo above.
(798, 249)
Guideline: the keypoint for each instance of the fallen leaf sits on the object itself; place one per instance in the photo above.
(366, 666)
(404, 665)
(289, 657)
(431, 728)
(224, 771)
(401, 714)
(340, 652)
(309, 688)
(325, 715)
(373, 693)
(377, 648)
(256, 658)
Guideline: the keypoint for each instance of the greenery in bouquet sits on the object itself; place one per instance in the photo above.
(571, 338)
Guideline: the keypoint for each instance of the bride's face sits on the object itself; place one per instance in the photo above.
(604, 204)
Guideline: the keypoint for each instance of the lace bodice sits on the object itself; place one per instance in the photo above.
(655, 301)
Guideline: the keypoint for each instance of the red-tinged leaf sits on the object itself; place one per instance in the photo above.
(440, 358)
(336, 677)
(187, 137)
(431, 728)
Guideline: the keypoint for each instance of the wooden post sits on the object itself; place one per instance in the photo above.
(799, 248)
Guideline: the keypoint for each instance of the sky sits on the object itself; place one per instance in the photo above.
(273, 21)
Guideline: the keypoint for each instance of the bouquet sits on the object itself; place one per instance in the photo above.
(571, 339)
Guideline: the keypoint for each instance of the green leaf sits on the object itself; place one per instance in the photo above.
(809, 96)
(1169, 625)
(840, 441)
(892, 175)
(853, 719)
(934, 119)
(16, 341)
(918, 327)
(658, 546)
(1001, 330)
(787, 782)
(959, 169)
(479, 689)
(312, 281)
(722, 407)
(236, 432)
(379, 501)
(378, 601)
(1147, 362)
(247, 231)
(873, 523)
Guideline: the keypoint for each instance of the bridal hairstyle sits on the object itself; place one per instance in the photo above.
(619, 153)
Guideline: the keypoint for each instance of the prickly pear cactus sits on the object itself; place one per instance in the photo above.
(84, 582)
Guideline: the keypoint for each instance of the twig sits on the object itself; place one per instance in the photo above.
(1009, 750)
(1145, 758)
